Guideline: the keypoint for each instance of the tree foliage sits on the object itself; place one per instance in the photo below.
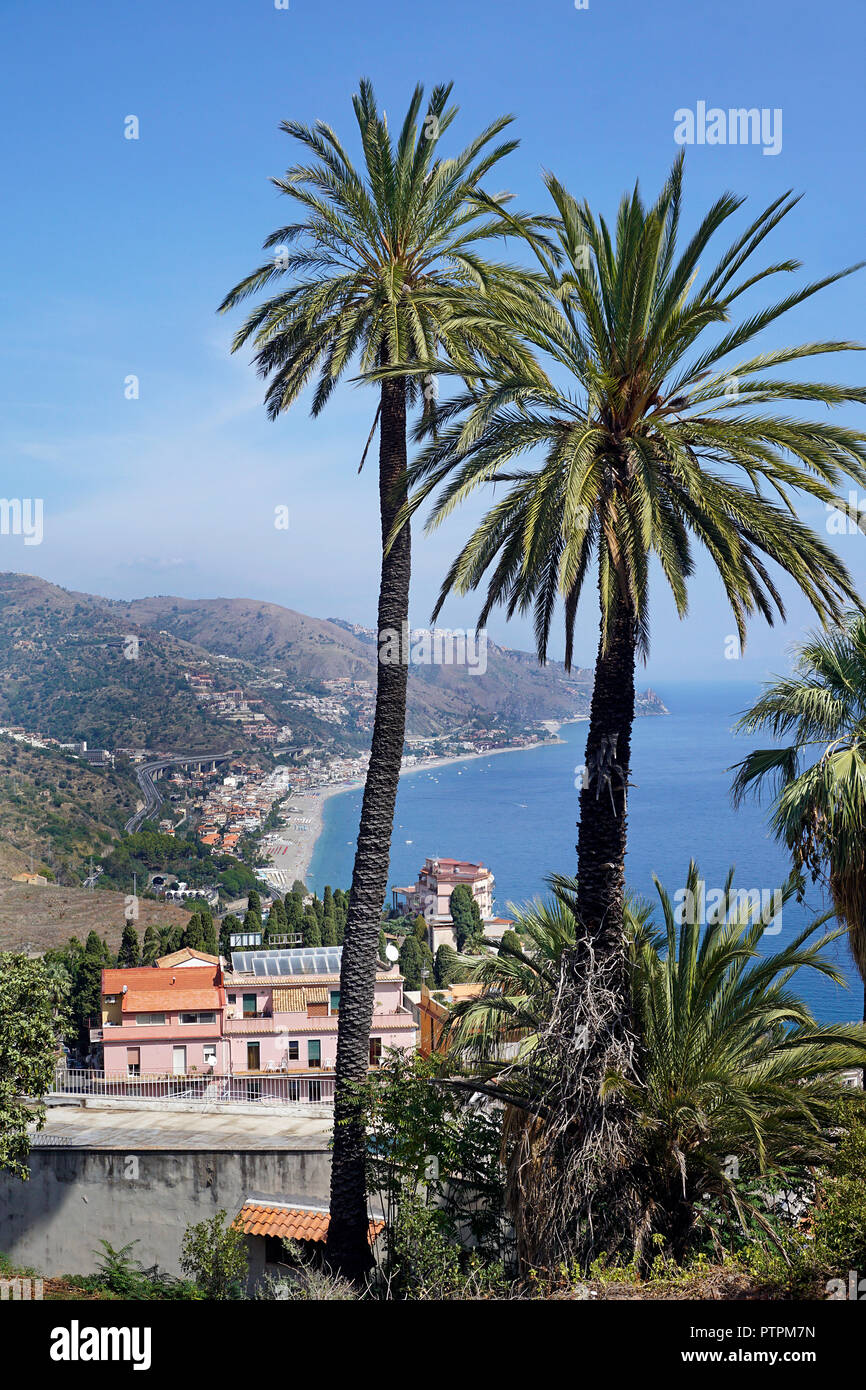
(28, 1054)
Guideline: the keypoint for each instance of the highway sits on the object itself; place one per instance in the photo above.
(147, 781)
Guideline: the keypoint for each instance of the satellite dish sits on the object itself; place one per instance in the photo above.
(391, 951)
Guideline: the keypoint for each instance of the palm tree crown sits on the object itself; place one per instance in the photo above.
(818, 778)
(653, 442)
(731, 1060)
(377, 260)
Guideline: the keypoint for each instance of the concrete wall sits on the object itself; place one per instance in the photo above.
(76, 1197)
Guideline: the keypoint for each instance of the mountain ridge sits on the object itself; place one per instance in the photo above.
(63, 663)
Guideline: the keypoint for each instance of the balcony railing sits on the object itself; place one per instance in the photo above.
(266, 1087)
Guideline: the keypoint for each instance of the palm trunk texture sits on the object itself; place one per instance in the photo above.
(348, 1249)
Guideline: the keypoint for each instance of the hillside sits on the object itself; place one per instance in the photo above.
(309, 650)
(65, 672)
(55, 810)
(37, 918)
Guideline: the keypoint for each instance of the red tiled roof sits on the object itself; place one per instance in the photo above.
(153, 990)
(187, 953)
(460, 864)
(166, 1000)
(290, 1223)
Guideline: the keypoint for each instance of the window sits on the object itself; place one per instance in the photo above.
(253, 1056)
(150, 1020)
(250, 1005)
(110, 998)
(206, 1017)
(293, 1050)
(314, 1052)
(133, 1061)
(275, 1251)
(375, 1051)
(232, 998)
(208, 1054)
(335, 1001)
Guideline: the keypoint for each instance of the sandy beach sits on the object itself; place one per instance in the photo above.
(291, 847)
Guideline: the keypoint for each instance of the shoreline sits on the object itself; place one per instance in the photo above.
(304, 818)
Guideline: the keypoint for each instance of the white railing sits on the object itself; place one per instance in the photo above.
(269, 1088)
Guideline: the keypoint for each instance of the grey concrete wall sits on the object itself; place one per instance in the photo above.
(77, 1197)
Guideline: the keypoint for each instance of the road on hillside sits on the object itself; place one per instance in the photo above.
(147, 779)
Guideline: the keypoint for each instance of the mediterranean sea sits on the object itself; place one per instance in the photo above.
(516, 813)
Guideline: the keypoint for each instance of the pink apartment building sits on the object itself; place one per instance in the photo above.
(431, 895)
(274, 1012)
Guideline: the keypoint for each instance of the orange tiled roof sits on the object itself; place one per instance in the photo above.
(186, 953)
(167, 1000)
(145, 977)
(290, 1223)
(152, 990)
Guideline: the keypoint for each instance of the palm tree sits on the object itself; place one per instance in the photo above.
(661, 435)
(377, 264)
(733, 1066)
(818, 779)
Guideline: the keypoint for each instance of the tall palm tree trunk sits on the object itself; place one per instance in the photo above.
(586, 1201)
(348, 1248)
(601, 841)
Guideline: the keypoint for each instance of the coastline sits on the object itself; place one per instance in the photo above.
(294, 844)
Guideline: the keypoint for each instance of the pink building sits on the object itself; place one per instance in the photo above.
(431, 895)
(275, 1012)
(164, 1020)
(282, 1009)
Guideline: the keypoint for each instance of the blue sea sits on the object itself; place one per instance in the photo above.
(516, 813)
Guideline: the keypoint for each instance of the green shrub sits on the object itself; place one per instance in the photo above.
(839, 1227)
(215, 1255)
(120, 1274)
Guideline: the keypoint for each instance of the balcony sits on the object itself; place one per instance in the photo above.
(282, 1089)
(96, 1035)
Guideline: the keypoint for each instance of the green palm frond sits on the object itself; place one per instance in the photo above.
(383, 265)
(650, 444)
(736, 1080)
(817, 781)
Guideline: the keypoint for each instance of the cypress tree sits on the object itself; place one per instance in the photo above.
(129, 954)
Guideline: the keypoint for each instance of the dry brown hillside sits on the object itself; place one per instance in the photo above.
(36, 918)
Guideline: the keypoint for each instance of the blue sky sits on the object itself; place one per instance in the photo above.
(116, 253)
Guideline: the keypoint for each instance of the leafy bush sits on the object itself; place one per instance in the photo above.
(215, 1255)
(121, 1274)
(839, 1227)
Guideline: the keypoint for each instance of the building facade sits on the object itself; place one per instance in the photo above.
(431, 896)
(275, 1012)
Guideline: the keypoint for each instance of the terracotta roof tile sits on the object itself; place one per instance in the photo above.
(187, 953)
(147, 977)
(290, 1223)
(170, 1000)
